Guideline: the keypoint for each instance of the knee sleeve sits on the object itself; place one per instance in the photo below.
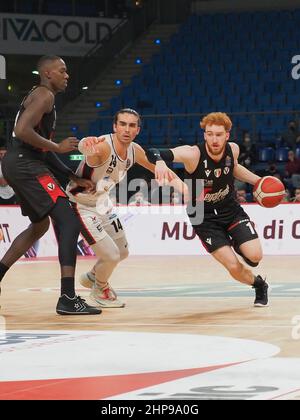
(67, 229)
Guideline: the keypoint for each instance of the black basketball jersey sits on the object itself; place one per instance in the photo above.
(217, 181)
(44, 128)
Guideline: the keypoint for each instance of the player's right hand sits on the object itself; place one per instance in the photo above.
(91, 145)
(68, 145)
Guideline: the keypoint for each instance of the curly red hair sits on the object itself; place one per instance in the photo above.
(217, 118)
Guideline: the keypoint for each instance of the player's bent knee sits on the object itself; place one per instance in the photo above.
(114, 258)
(255, 257)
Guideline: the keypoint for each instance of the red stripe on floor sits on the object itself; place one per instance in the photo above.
(95, 388)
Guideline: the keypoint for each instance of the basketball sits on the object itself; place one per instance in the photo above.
(269, 191)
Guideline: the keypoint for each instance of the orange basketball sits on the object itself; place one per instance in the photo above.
(269, 191)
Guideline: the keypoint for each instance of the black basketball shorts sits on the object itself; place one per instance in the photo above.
(220, 230)
(35, 186)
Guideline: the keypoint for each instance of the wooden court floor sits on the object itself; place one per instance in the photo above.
(168, 295)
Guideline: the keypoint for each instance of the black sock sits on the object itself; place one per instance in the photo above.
(258, 281)
(68, 286)
(3, 270)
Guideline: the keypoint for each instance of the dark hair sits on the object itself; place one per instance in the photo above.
(128, 111)
(46, 59)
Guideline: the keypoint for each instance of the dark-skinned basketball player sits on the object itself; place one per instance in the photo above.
(225, 224)
(29, 167)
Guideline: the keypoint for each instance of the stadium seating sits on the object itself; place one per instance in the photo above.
(232, 62)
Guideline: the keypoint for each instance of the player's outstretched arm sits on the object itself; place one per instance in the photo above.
(95, 149)
(163, 174)
(243, 174)
(188, 155)
(58, 167)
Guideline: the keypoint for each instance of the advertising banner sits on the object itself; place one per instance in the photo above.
(59, 35)
(165, 230)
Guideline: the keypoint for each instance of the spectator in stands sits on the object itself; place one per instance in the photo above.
(7, 195)
(291, 137)
(292, 171)
(161, 194)
(296, 199)
(287, 197)
(272, 170)
(239, 185)
(175, 198)
(241, 196)
(247, 151)
(139, 200)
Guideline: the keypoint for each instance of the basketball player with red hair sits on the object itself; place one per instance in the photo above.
(224, 225)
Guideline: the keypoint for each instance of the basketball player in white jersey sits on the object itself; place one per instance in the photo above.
(107, 160)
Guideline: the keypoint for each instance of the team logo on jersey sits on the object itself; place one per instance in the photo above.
(228, 161)
(51, 186)
(207, 173)
(218, 172)
(128, 163)
(226, 170)
(109, 170)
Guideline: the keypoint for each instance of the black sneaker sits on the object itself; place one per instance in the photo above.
(247, 261)
(261, 292)
(75, 306)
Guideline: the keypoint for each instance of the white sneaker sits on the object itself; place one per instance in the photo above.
(106, 297)
(87, 280)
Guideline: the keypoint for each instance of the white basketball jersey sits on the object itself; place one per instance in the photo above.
(105, 176)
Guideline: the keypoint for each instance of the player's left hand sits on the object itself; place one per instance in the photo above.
(163, 174)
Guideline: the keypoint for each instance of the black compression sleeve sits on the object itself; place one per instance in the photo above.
(155, 155)
(57, 165)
